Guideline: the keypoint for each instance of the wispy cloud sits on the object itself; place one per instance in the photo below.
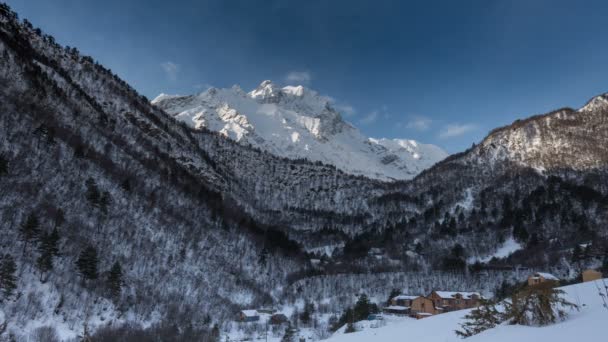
(369, 118)
(171, 70)
(419, 123)
(300, 77)
(455, 130)
(345, 109)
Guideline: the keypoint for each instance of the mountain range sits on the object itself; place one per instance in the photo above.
(296, 122)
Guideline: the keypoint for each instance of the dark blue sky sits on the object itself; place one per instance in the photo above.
(443, 72)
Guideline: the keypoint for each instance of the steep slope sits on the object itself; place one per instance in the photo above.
(296, 122)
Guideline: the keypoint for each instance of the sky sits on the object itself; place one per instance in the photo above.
(441, 72)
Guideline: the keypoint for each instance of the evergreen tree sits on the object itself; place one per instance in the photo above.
(577, 253)
(290, 334)
(115, 281)
(520, 233)
(3, 165)
(92, 193)
(29, 229)
(485, 317)
(350, 328)
(8, 279)
(541, 304)
(104, 201)
(215, 332)
(87, 263)
(394, 293)
(362, 308)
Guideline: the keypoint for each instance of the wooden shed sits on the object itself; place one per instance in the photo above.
(591, 275)
(542, 277)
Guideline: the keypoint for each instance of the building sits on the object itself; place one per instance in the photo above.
(591, 275)
(423, 307)
(452, 300)
(403, 300)
(278, 318)
(542, 277)
(249, 316)
(397, 310)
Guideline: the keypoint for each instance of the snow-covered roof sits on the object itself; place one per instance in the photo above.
(401, 297)
(547, 276)
(250, 313)
(452, 294)
(397, 308)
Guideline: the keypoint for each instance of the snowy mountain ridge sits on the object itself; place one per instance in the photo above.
(296, 122)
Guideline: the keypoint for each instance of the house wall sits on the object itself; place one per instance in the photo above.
(423, 304)
(591, 275)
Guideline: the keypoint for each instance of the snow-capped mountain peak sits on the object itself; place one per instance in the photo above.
(297, 122)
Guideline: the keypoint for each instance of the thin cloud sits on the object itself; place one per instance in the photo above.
(345, 109)
(455, 130)
(303, 77)
(369, 118)
(419, 123)
(171, 70)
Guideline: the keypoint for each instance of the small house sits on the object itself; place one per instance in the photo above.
(451, 300)
(403, 300)
(591, 275)
(425, 306)
(397, 310)
(278, 319)
(249, 316)
(542, 277)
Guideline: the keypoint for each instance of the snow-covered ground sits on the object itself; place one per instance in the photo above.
(588, 324)
(507, 248)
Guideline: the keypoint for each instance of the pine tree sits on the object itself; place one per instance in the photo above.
(8, 279)
(362, 308)
(115, 281)
(92, 193)
(290, 334)
(87, 263)
(394, 293)
(541, 304)
(3, 165)
(350, 328)
(485, 317)
(29, 229)
(48, 250)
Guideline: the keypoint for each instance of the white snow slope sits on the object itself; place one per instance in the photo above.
(588, 324)
(296, 122)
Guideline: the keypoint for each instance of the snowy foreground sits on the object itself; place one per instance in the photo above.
(590, 323)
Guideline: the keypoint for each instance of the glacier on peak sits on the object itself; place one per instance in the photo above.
(297, 122)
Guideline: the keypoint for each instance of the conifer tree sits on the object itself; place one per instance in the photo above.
(87, 263)
(8, 279)
(92, 193)
(48, 250)
(362, 308)
(3, 165)
(115, 281)
(541, 304)
(29, 229)
(485, 317)
(290, 334)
